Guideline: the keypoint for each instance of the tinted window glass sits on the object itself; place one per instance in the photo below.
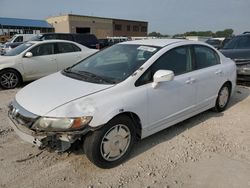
(178, 60)
(205, 57)
(86, 39)
(65, 37)
(117, 62)
(66, 48)
(76, 48)
(43, 49)
(244, 42)
(19, 39)
(231, 44)
(48, 37)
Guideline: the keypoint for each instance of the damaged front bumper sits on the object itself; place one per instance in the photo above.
(21, 122)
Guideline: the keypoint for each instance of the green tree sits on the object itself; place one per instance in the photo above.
(156, 34)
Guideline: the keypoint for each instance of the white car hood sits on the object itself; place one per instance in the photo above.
(48, 93)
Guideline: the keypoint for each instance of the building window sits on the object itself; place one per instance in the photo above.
(118, 27)
(135, 28)
(143, 29)
(128, 27)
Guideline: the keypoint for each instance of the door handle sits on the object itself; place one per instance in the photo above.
(190, 81)
(218, 72)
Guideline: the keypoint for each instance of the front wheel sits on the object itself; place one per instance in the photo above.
(223, 98)
(110, 145)
(9, 79)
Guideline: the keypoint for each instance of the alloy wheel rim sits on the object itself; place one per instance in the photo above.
(115, 142)
(9, 80)
(223, 98)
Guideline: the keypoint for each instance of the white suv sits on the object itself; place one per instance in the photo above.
(122, 94)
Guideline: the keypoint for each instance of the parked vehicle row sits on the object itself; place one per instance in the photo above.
(122, 94)
(88, 40)
(238, 49)
(36, 59)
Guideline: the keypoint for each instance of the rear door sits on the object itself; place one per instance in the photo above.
(42, 63)
(209, 75)
(67, 54)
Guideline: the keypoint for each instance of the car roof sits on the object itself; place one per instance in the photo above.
(155, 42)
(52, 40)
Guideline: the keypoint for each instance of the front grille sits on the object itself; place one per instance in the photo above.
(21, 116)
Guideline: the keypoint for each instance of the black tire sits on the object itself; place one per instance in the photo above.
(95, 142)
(222, 102)
(9, 79)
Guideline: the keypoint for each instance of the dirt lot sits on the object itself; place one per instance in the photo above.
(209, 150)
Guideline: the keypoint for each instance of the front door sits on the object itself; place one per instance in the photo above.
(172, 100)
(42, 63)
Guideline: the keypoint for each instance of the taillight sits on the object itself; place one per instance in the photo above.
(97, 46)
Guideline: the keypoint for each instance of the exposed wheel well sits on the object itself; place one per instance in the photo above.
(135, 118)
(229, 83)
(19, 74)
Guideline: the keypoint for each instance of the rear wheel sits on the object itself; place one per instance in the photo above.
(9, 79)
(223, 98)
(110, 145)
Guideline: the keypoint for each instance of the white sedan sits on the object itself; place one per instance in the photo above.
(36, 59)
(122, 94)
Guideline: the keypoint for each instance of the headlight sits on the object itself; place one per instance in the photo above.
(61, 124)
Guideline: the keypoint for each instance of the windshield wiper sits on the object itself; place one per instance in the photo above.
(95, 76)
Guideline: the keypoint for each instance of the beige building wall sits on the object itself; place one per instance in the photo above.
(60, 23)
(129, 28)
(101, 27)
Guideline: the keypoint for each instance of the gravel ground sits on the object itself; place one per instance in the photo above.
(208, 150)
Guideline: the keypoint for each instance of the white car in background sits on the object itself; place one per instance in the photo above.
(36, 59)
(122, 94)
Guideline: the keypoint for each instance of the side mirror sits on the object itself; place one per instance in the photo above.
(162, 76)
(28, 54)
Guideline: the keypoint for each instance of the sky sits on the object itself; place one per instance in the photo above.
(164, 16)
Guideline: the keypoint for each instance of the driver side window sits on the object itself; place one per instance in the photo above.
(178, 60)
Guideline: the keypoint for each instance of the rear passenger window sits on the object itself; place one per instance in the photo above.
(205, 57)
(76, 48)
(67, 48)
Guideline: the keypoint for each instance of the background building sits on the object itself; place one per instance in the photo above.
(11, 26)
(101, 27)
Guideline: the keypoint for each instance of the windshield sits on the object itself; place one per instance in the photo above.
(18, 49)
(113, 64)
